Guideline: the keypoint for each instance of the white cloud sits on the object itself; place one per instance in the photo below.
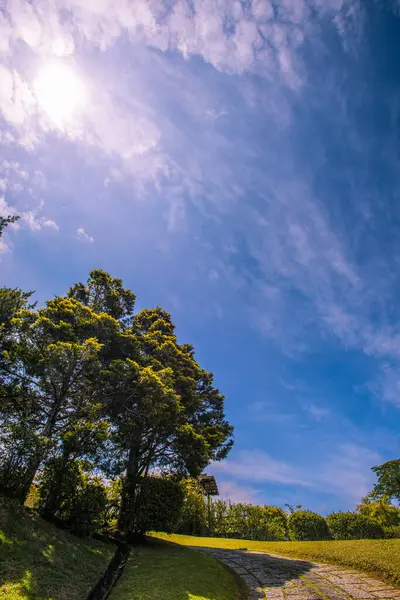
(3, 247)
(296, 247)
(83, 236)
(30, 219)
(271, 412)
(233, 491)
(230, 37)
(225, 34)
(386, 386)
(319, 413)
(257, 466)
(348, 472)
(45, 222)
(345, 472)
(35, 223)
(17, 102)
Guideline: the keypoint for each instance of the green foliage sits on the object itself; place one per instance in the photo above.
(106, 294)
(307, 525)
(291, 508)
(194, 511)
(70, 495)
(113, 494)
(19, 447)
(39, 561)
(246, 521)
(32, 500)
(278, 517)
(383, 513)
(163, 408)
(159, 506)
(5, 221)
(227, 519)
(388, 485)
(353, 526)
(84, 378)
(391, 531)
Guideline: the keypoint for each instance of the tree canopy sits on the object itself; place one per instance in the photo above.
(90, 386)
(388, 484)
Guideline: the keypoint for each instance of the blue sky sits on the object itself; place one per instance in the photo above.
(237, 163)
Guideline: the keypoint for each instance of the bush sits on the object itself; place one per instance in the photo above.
(306, 525)
(353, 526)
(160, 503)
(71, 496)
(391, 531)
(277, 518)
(88, 509)
(194, 515)
(19, 448)
(383, 513)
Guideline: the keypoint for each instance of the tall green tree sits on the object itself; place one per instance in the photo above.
(166, 414)
(56, 357)
(383, 513)
(103, 293)
(388, 484)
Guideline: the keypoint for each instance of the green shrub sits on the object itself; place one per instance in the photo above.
(383, 513)
(391, 531)
(306, 525)
(278, 520)
(70, 495)
(159, 505)
(353, 526)
(194, 514)
(19, 449)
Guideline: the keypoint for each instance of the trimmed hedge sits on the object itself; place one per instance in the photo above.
(353, 526)
(391, 531)
(159, 507)
(305, 525)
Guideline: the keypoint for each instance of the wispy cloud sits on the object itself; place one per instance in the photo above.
(31, 219)
(235, 129)
(83, 236)
(235, 492)
(257, 466)
(317, 412)
(345, 472)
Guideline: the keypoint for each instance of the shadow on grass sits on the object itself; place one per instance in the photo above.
(161, 569)
(39, 561)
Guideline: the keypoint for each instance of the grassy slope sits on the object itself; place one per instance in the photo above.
(379, 557)
(40, 562)
(171, 572)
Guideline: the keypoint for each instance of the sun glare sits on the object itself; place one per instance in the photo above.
(60, 93)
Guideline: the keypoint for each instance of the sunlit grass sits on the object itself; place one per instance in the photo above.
(170, 572)
(378, 557)
(41, 562)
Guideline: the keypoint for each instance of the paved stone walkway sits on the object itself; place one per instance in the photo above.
(281, 578)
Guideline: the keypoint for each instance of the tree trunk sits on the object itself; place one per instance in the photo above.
(53, 500)
(28, 477)
(34, 465)
(127, 509)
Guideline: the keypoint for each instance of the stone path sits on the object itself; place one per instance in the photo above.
(281, 578)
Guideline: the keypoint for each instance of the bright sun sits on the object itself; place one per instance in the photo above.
(60, 92)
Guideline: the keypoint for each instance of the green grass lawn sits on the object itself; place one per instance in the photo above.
(41, 562)
(378, 557)
(170, 572)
